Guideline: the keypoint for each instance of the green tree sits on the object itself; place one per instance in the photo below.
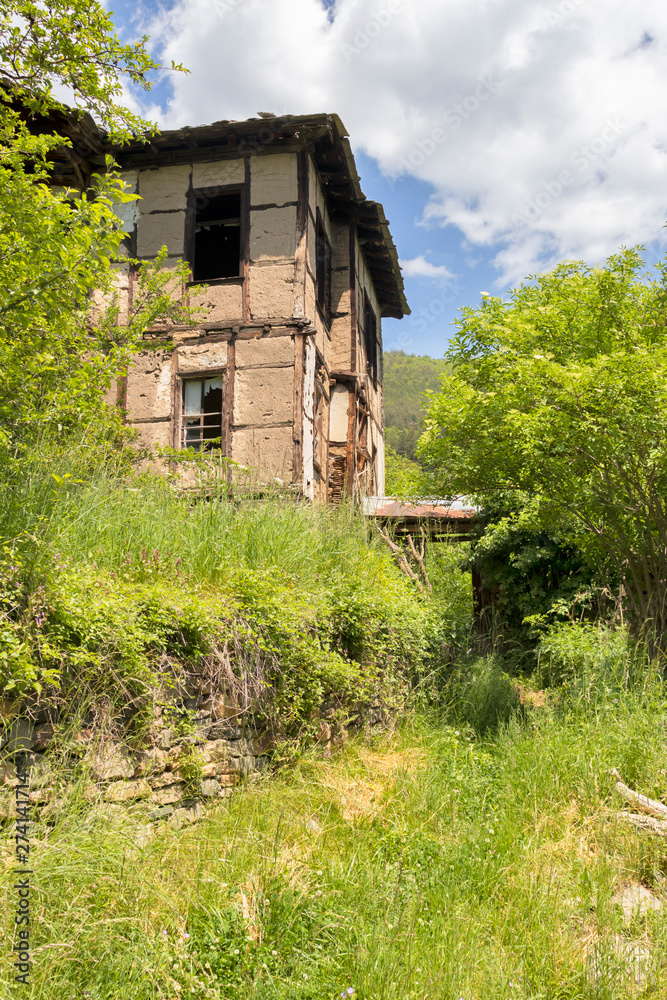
(69, 45)
(561, 394)
(60, 344)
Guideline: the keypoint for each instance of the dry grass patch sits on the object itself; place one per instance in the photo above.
(365, 793)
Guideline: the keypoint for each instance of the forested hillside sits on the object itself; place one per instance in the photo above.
(406, 379)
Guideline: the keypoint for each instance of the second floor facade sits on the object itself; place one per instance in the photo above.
(294, 270)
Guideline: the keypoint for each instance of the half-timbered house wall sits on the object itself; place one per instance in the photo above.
(283, 366)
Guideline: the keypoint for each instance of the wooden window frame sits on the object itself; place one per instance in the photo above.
(190, 231)
(201, 376)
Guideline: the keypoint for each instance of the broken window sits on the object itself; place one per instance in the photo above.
(216, 249)
(323, 270)
(370, 338)
(202, 413)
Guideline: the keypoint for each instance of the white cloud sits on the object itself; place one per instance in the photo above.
(419, 267)
(539, 123)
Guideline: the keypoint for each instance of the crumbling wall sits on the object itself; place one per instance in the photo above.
(278, 409)
(162, 209)
(342, 318)
(148, 399)
(263, 405)
(272, 243)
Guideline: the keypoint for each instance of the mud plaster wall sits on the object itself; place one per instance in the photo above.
(223, 303)
(160, 218)
(263, 414)
(265, 448)
(273, 216)
(117, 295)
(341, 323)
(263, 387)
(338, 414)
(148, 397)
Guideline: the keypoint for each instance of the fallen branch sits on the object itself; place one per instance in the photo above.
(647, 824)
(641, 802)
(401, 561)
(419, 559)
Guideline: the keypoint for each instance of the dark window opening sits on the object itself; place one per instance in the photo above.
(202, 413)
(370, 338)
(323, 270)
(217, 240)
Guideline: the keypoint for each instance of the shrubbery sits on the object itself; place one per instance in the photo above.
(116, 582)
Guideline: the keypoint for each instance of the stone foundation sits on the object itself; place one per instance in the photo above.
(179, 767)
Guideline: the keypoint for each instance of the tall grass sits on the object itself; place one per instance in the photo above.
(146, 525)
(424, 865)
(113, 520)
(120, 570)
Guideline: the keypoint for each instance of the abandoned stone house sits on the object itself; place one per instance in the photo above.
(284, 369)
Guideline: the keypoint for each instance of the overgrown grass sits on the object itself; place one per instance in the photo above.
(423, 865)
(107, 575)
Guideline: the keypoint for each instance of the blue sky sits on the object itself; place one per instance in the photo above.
(501, 135)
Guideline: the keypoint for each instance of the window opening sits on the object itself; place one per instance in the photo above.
(217, 241)
(323, 270)
(370, 338)
(202, 413)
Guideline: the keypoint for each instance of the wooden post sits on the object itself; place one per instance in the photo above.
(301, 255)
(297, 423)
(228, 404)
(245, 232)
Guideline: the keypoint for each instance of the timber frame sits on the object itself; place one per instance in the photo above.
(302, 394)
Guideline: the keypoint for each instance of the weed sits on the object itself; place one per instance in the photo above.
(430, 864)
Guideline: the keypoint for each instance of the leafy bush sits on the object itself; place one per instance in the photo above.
(124, 582)
(584, 657)
(482, 695)
(534, 571)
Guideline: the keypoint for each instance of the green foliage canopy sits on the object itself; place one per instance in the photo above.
(70, 45)
(60, 344)
(561, 393)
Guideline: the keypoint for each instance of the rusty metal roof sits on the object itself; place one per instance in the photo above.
(326, 135)
(439, 511)
(439, 520)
